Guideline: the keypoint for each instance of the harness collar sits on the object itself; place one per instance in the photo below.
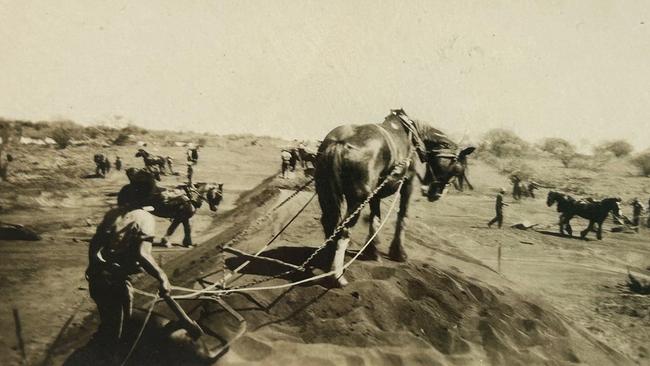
(414, 134)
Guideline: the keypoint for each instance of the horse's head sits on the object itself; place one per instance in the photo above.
(443, 162)
(141, 153)
(551, 198)
(213, 194)
(614, 205)
(98, 158)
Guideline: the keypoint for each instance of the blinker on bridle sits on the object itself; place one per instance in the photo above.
(439, 153)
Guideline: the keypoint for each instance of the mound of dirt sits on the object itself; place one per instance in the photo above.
(423, 312)
(399, 314)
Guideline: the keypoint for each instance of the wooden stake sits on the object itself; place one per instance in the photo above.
(19, 335)
(499, 259)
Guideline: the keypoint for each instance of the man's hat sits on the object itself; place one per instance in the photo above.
(501, 190)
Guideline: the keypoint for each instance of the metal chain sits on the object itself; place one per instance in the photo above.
(293, 194)
(341, 226)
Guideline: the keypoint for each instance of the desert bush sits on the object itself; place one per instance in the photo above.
(202, 141)
(62, 137)
(619, 148)
(503, 143)
(642, 161)
(584, 162)
(560, 148)
(121, 139)
(131, 129)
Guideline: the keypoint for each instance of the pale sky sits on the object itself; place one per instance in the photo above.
(573, 69)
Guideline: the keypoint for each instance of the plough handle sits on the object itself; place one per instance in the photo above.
(193, 329)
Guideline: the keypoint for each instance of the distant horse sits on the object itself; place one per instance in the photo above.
(178, 204)
(528, 189)
(155, 161)
(102, 165)
(522, 188)
(594, 211)
(353, 160)
(307, 157)
(459, 175)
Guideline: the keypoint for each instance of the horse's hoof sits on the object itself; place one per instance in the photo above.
(398, 256)
(370, 256)
(341, 282)
(333, 282)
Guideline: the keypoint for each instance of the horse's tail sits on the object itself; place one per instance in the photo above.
(329, 185)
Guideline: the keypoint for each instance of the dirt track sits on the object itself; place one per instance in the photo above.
(554, 302)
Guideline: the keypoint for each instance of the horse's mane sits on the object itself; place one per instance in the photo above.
(433, 138)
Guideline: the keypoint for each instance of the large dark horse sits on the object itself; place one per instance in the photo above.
(102, 165)
(155, 162)
(178, 204)
(353, 160)
(594, 211)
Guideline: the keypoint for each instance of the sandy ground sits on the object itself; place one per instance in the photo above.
(550, 300)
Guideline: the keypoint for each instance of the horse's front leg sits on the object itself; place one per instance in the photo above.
(599, 233)
(397, 252)
(187, 240)
(458, 183)
(469, 185)
(583, 233)
(375, 220)
(342, 245)
(567, 225)
(562, 224)
(172, 227)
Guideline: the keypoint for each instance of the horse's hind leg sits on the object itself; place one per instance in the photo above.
(165, 240)
(187, 239)
(469, 185)
(599, 233)
(370, 252)
(396, 251)
(583, 233)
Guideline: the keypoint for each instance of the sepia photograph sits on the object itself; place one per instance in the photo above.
(344, 182)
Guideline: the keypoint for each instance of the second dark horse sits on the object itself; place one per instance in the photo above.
(594, 211)
(178, 204)
(354, 160)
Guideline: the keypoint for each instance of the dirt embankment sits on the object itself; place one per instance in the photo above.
(435, 309)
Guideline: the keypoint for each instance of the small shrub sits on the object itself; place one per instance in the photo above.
(131, 129)
(202, 141)
(583, 162)
(62, 137)
(561, 149)
(642, 161)
(121, 139)
(504, 143)
(619, 148)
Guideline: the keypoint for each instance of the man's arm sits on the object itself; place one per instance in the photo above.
(149, 264)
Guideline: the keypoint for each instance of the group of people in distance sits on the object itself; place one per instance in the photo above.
(291, 156)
